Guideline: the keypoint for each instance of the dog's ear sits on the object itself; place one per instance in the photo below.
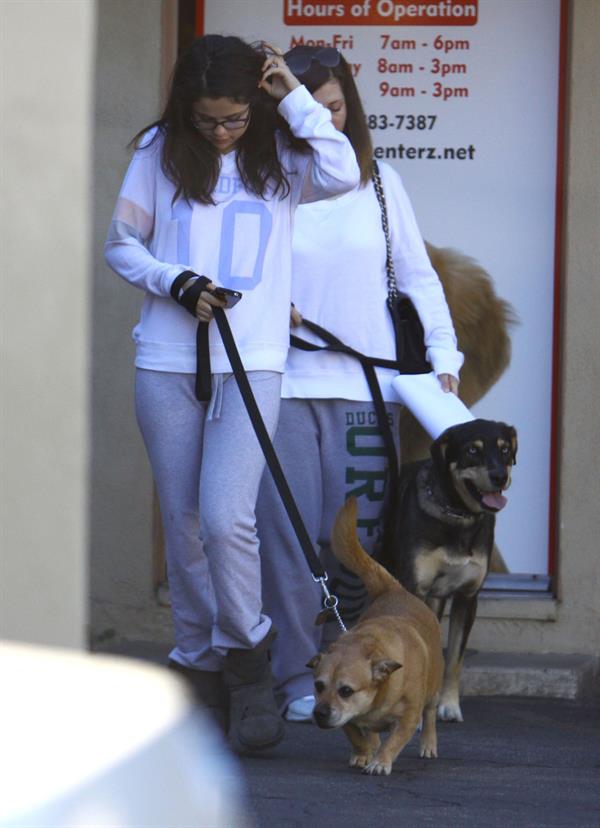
(315, 661)
(383, 668)
(514, 444)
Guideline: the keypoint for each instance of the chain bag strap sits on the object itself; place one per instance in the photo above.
(408, 330)
(410, 353)
(389, 261)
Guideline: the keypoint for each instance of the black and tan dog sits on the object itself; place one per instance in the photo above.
(444, 530)
(482, 321)
(385, 673)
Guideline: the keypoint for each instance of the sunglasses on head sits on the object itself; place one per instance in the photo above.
(300, 58)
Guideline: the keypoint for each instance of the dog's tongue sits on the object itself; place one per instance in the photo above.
(494, 500)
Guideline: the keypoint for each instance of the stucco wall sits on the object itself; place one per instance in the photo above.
(580, 479)
(47, 52)
(127, 97)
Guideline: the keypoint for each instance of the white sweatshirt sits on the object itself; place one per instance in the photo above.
(339, 282)
(242, 242)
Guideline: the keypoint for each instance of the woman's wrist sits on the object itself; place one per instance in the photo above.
(186, 289)
(186, 285)
(297, 104)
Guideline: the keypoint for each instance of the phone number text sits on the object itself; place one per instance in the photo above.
(420, 122)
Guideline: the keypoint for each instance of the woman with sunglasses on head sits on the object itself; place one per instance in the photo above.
(327, 439)
(207, 202)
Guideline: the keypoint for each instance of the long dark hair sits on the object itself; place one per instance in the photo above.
(214, 66)
(356, 129)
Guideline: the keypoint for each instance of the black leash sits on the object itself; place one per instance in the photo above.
(368, 365)
(330, 602)
(188, 298)
(384, 546)
(186, 290)
(411, 358)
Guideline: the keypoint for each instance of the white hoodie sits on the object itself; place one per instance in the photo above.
(242, 242)
(340, 282)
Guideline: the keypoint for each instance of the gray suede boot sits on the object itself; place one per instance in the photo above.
(255, 721)
(209, 690)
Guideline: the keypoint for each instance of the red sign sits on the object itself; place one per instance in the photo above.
(380, 13)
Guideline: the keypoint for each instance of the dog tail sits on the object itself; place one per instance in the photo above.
(347, 549)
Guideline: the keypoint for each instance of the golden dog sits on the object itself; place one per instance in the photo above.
(481, 321)
(386, 672)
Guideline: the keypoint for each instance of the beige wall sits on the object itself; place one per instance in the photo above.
(127, 81)
(47, 52)
(127, 96)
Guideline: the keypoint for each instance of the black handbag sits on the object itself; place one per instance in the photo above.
(408, 330)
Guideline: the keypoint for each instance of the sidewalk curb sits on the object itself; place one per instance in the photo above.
(548, 676)
(528, 674)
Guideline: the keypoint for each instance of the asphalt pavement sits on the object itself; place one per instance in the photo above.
(512, 762)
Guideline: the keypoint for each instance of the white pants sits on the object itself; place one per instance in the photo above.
(207, 469)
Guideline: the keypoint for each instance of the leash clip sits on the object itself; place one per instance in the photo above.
(330, 602)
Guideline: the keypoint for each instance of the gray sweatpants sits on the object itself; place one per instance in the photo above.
(207, 465)
(329, 450)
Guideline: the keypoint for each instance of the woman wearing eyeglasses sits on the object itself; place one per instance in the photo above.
(327, 439)
(207, 202)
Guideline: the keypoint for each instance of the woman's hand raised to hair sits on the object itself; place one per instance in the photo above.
(278, 80)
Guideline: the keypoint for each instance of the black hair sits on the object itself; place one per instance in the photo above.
(216, 66)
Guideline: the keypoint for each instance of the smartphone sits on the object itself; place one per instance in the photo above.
(232, 297)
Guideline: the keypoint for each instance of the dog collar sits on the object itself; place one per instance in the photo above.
(431, 501)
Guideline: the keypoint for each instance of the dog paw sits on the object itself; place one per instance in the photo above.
(359, 760)
(378, 767)
(428, 752)
(449, 712)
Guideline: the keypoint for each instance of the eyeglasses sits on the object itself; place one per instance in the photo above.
(300, 58)
(205, 124)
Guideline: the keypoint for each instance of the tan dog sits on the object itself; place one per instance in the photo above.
(386, 672)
